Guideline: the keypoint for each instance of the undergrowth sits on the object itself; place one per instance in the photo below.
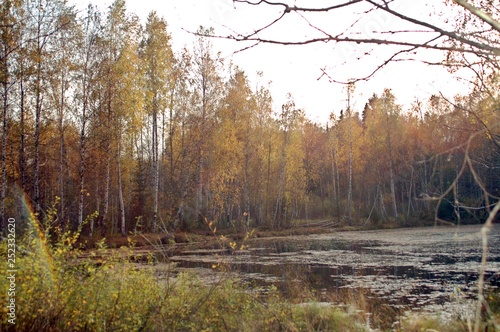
(60, 287)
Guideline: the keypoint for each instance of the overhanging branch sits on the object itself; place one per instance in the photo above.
(479, 13)
(482, 42)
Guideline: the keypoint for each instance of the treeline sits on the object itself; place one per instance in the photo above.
(104, 125)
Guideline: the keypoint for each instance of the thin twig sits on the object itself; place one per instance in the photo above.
(487, 227)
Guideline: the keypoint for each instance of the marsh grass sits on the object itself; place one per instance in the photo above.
(418, 323)
(61, 288)
(58, 290)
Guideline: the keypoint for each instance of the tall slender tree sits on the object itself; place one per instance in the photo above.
(87, 75)
(158, 60)
(207, 91)
(10, 42)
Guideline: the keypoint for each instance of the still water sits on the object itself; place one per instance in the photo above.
(420, 269)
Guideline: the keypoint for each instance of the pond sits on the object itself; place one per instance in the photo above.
(420, 269)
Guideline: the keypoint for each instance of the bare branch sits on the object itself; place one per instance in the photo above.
(288, 9)
(385, 7)
(366, 78)
(315, 27)
(477, 43)
(376, 41)
(479, 13)
(264, 27)
(450, 34)
(488, 225)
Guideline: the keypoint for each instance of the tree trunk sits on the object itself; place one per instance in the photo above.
(108, 170)
(183, 182)
(203, 132)
(38, 115)
(4, 156)
(281, 185)
(260, 203)
(62, 149)
(383, 212)
(156, 170)
(268, 182)
(246, 189)
(83, 140)
(349, 188)
(105, 209)
(22, 141)
(334, 182)
(410, 190)
(171, 143)
(335, 174)
(81, 168)
(120, 196)
(391, 173)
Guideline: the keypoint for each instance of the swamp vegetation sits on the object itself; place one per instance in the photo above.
(298, 283)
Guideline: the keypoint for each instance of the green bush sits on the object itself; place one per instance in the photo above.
(61, 288)
(58, 291)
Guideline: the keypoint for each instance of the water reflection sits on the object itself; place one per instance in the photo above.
(423, 269)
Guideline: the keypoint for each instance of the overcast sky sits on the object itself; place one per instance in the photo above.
(296, 69)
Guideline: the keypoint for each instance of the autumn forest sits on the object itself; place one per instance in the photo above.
(104, 126)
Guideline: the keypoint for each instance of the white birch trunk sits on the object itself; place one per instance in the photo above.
(391, 173)
(156, 180)
(120, 197)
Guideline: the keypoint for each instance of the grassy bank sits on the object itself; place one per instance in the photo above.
(57, 290)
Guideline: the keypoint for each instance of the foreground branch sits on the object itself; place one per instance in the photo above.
(485, 230)
(437, 38)
(479, 13)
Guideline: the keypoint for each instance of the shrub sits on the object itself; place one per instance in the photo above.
(61, 288)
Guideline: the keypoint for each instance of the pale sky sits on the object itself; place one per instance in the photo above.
(296, 69)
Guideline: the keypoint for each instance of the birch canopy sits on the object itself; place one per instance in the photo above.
(109, 127)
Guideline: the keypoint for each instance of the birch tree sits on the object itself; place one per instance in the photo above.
(264, 122)
(120, 105)
(290, 119)
(382, 122)
(10, 42)
(158, 61)
(44, 21)
(88, 60)
(61, 82)
(207, 85)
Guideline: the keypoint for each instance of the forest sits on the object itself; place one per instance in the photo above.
(105, 127)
